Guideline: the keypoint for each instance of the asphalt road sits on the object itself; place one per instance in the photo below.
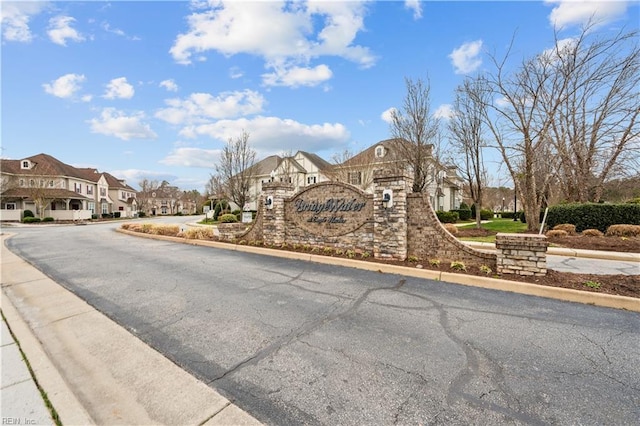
(294, 342)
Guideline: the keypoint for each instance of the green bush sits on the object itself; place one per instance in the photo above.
(464, 206)
(107, 215)
(27, 213)
(116, 214)
(447, 217)
(508, 215)
(594, 216)
(464, 214)
(94, 216)
(236, 212)
(48, 219)
(31, 219)
(486, 214)
(141, 214)
(228, 218)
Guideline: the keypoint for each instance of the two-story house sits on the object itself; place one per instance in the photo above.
(50, 188)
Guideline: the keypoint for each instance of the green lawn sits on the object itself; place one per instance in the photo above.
(496, 225)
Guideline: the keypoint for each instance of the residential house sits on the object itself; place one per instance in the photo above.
(444, 186)
(50, 188)
(300, 170)
(165, 199)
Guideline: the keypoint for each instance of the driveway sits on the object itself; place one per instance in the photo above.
(294, 342)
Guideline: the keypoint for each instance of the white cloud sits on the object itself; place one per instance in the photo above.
(201, 107)
(235, 72)
(60, 30)
(502, 102)
(115, 123)
(192, 157)
(579, 12)
(270, 135)
(465, 58)
(562, 47)
(15, 18)
(170, 85)
(66, 86)
(387, 116)
(444, 111)
(416, 6)
(118, 88)
(298, 76)
(285, 34)
(134, 176)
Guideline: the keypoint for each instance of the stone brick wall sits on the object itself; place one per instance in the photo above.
(521, 254)
(427, 239)
(231, 231)
(390, 223)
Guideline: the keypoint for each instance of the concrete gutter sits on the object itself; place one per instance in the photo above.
(93, 370)
(570, 295)
(560, 251)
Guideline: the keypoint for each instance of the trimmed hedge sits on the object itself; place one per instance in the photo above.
(594, 216)
(447, 217)
(228, 218)
(464, 214)
(486, 214)
(31, 219)
(27, 213)
(48, 219)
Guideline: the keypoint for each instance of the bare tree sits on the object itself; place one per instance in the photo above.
(236, 169)
(416, 125)
(595, 130)
(144, 196)
(466, 127)
(353, 169)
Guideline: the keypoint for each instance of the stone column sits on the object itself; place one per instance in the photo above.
(390, 224)
(273, 220)
(521, 254)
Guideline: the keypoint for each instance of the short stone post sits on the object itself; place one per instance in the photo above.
(390, 223)
(273, 224)
(521, 254)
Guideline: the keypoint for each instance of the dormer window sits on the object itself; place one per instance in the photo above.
(380, 151)
(26, 164)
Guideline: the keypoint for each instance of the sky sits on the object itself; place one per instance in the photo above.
(154, 89)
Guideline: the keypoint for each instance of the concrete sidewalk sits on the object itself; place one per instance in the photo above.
(92, 370)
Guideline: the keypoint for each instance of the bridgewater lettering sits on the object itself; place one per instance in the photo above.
(330, 206)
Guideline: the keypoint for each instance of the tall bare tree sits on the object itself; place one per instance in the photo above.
(236, 169)
(415, 124)
(466, 128)
(143, 197)
(595, 130)
(351, 168)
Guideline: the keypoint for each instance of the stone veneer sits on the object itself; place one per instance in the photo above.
(428, 239)
(522, 254)
(390, 224)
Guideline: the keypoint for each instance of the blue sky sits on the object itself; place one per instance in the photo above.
(153, 89)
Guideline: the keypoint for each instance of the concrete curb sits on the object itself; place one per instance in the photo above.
(77, 352)
(570, 295)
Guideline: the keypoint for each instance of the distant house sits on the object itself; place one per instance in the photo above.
(444, 186)
(300, 170)
(50, 188)
(166, 199)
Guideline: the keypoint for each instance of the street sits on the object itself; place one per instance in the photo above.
(294, 342)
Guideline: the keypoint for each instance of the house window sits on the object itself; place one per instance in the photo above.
(89, 190)
(103, 192)
(10, 206)
(25, 164)
(120, 208)
(105, 208)
(355, 178)
(311, 179)
(91, 206)
(164, 210)
(78, 187)
(21, 182)
(379, 151)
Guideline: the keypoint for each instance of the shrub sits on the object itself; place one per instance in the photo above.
(463, 214)
(451, 228)
(228, 218)
(464, 206)
(116, 214)
(31, 219)
(485, 270)
(457, 265)
(434, 262)
(27, 213)
(447, 217)
(236, 211)
(107, 215)
(94, 216)
(48, 219)
(170, 230)
(141, 214)
(508, 215)
(623, 231)
(569, 228)
(592, 233)
(559, 233)
(594, 216)
(412, 259)
(486, 214)
(199, 233)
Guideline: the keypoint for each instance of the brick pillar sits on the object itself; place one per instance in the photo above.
(390, 224)
(521, 254)
(273, 226)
